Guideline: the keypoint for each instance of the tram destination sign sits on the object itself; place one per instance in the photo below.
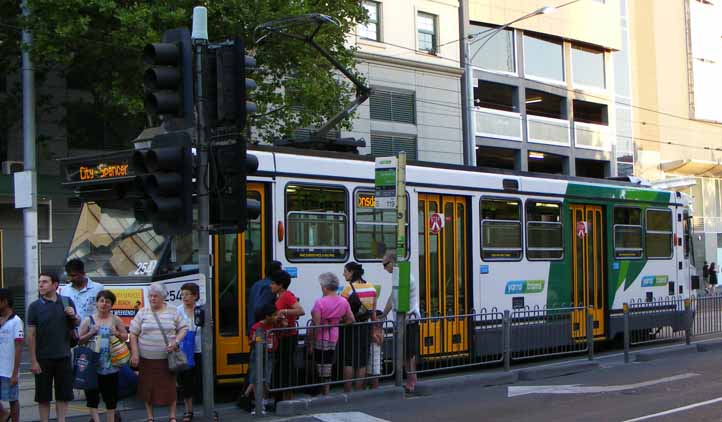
(98, 169)
(385, 182)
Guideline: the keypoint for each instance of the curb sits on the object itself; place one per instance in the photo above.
(707, 347)
(300, 406)
(556, 371)
(661, 354)
(426, 388)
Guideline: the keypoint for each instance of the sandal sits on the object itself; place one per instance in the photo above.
(187, 416)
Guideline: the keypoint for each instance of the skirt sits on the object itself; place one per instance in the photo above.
(156, 384)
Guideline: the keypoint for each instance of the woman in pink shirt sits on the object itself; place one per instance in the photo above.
(328, 310)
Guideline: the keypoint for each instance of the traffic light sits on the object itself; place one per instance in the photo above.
(169, 79)
(164, 175)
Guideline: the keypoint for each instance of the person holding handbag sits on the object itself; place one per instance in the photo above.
(99, 329)
(191, 380)
(355, 339)
(155, 333)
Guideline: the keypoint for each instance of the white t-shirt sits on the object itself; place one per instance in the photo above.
(414, 311)
(191, 327)
(10, 333)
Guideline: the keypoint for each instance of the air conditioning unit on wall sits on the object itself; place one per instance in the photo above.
(10, 167)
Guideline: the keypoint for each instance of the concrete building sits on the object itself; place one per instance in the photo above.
(409, 54)
(544, 88)
(676, 57)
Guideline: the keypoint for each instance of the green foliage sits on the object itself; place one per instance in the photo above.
(98, 44)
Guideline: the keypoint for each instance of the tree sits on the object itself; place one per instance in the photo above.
(98, 43)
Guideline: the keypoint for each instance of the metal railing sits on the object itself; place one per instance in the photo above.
(707, 312)
(659, 320)
(550, 332)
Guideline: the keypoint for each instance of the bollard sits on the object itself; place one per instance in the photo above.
(259, 345)
(688, 325)
(625, 309)
(590, 333)
(506, 338)
(399, 358)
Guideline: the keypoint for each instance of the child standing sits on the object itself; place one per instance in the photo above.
(377, 340)
(267, 317)
(11, 343)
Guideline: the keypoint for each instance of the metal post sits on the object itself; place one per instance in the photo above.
(689, 320)
(260, 349)
(203, 238)
(30, 215)
(400, 256)
(468, 110)
(625, 309)
(590, 333)
(506, 338)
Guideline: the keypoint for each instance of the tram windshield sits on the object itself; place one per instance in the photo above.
(112, 243)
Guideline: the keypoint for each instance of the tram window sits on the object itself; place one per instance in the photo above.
(501, 229)
(316, 222)
(543, 230)
(658, 235)
(686, 227)
(627, 232)
(374, 230)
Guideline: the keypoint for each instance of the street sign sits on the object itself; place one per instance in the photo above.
(581, 229)
(385, 182)
(436, 223)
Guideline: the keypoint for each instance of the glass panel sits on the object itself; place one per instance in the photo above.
(620, 59)
(498, 51)
(626, 215)
(433, 267)
(500, 209)
(687, 228)
(591, 270)
(228, 320)
(496, 96)
(449, 258)
(544, 231)
(544, 104)
(422, 257)
(370, 30)
(588, 66)
(254, 248)
(316, 223)
(543, 58)
(659, 220)
(659, 245)
(461, 261)
(426, 28)
(600, 258)
(627, 242)
(501, 229)
(374, 229)
(579, 283)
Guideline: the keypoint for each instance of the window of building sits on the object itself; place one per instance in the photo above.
(374, 228)
(426, 30)
(316, 223)
(543, 58)
(587, 112)
(627, 233)
(385, 145)
(371, 30)
(544, 230)
(500, 229)
(658, 235)
(498, 51)
(588, 66)
(393, 105)
(496, 96)
(544, 104)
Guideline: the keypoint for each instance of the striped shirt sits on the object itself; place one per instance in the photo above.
(150, 338)
(366, 292)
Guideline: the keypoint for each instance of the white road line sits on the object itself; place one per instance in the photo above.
(579, 389)
(671, 411)
(347, 417)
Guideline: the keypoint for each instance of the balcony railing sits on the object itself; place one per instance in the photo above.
(498, 124)
(587, 135)
(545, 130)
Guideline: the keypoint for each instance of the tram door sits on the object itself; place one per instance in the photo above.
(588, 273)
(238, 262)
(443, 283)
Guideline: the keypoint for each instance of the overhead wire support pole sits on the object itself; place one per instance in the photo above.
(200, 42)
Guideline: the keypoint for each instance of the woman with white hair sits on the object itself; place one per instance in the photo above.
(149, 350)
(328, 310)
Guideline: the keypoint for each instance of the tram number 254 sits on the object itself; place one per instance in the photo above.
(145, 268)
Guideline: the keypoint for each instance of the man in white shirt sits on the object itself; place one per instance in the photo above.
(11, 344)
(411, 345)
(82, 290)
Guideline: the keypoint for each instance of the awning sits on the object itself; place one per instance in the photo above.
(48, 186)
(693, 167)
(674, 183)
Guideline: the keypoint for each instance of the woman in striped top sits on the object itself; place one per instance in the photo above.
(149, 351)
(355, 338)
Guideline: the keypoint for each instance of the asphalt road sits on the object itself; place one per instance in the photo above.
(615, 392)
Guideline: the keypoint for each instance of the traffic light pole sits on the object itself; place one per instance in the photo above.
(203, 222)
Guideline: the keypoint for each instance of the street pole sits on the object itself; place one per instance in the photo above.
(200, 41)
(400, 256)
(30, 214)
(469, 120)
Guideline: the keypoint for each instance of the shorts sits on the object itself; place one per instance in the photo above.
(324, 362)
(412, 339)
(108, 388)
(57, 373)
(8, 392)
(374, 364)
(354, 344)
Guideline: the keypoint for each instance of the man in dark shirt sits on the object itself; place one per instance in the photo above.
(261, 294)
(50, 319)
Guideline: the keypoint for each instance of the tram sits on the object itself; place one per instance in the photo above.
(510, 240)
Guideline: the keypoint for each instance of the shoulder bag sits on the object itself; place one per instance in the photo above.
(119, 352)
(177, 361)
(360, 312)
(72, 331)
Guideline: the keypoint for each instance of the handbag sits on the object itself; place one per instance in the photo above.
(127, 382)
(360, 311)
(85, 368)
(177, 360)
(119, 352)
(188, 346)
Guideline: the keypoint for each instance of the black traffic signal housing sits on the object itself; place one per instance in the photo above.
(168, 81)
(164, 176)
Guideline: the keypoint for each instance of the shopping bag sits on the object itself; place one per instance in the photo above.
(85, 368)
(188, 345)
(127, 382)
(119, 352)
